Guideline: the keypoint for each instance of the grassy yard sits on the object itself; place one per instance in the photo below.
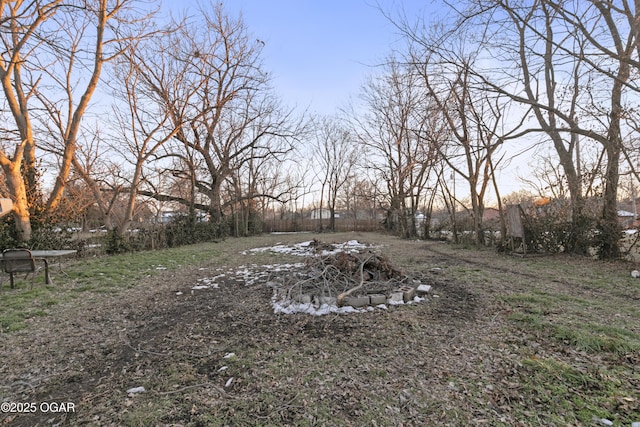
(500, 340)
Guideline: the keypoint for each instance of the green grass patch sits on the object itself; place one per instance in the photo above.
(582, 336)
(570, 394)
(576, 321)
(597, 338)
(19, 304)
(107, 274)
(121, 269)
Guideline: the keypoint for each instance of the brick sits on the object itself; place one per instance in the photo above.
(407, 293)
(327, 300)
(396, 297)
(423, 289)
(356, 301)
(377, 299)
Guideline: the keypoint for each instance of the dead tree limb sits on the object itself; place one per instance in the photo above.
(345, 294)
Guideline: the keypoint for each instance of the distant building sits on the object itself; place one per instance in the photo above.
(322, 213)
(627, 219)
(490, 214)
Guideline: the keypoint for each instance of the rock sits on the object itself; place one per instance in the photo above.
(136, 390)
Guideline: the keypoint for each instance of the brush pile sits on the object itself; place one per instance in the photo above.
(341, 278)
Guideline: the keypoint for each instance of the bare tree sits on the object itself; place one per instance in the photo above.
(334, 155)
(447, 192)
(52, 60)
(100, 173)
(572, 63)
(392, 130)
(474, 119)
(20, 26)
(252, 187)
(222, 107)
(145, 125)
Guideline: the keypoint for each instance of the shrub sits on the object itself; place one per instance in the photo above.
(8, 233)
(186, 230)
(116, 243)
(551, 229)
(47, 236)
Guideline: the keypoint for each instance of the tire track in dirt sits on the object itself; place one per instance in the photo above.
(486, 265)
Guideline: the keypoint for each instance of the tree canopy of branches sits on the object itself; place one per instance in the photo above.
(400, 132)
(196, 125)
(335, 155)
(474, 119)
(222, 112)
(569, 64)
(51, 63)
(572, 64)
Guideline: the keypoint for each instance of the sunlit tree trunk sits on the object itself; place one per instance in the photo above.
(16, 185)
(47, 49)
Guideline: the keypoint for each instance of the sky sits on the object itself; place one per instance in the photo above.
(320, 52)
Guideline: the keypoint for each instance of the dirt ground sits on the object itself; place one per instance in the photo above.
(222, 357)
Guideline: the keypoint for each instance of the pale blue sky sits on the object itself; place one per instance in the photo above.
(320, 51)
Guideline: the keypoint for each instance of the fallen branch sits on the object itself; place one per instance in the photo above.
(345, 294)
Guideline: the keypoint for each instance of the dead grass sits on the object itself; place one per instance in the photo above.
(500, 341)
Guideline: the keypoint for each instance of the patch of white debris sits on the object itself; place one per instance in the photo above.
(254, 273)
(308, 249)
(249, 275)
(208, 282)
(314, 309)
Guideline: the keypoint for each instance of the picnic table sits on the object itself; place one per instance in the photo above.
(44, 256)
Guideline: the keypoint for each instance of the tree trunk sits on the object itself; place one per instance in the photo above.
(18, 191)
(332, 218)
(31, 175)
(610, 229)
(131, 202)
(72, 131)
(477, 223)
(215, 203)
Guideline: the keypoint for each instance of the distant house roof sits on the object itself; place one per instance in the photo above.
(541, 201)
(490, 214)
